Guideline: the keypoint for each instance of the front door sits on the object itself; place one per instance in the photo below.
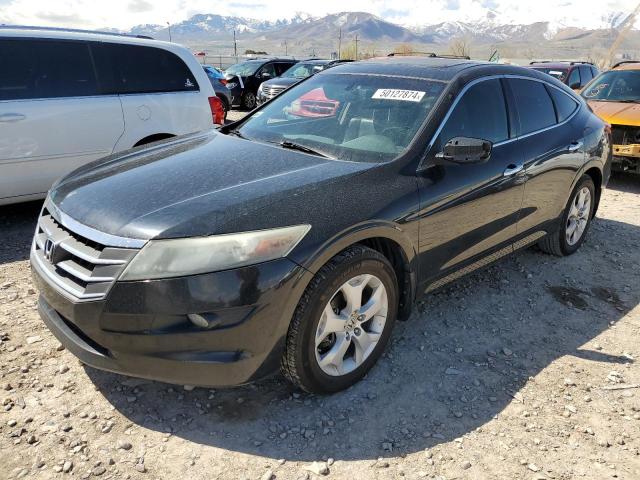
(468, 210)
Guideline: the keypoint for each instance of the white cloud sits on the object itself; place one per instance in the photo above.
(126, 13)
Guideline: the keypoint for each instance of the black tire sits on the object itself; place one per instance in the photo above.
(299, 364)
(556, 243)
(249, 100)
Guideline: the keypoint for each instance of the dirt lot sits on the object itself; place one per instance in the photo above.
(524, 371)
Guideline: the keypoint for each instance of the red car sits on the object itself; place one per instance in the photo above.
(314, 104)
(573, 74)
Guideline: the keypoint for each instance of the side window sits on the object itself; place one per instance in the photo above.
(594, 72)
(141, 69)
(480, 113)
(574, 78)
(534, 104)
(585, 74)
(45, 69)
(282, 67)
(269, 68)
(565, 105)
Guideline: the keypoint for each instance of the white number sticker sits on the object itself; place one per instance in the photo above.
(402, 95)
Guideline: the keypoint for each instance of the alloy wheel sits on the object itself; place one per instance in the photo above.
(351, 325)
(578, 216)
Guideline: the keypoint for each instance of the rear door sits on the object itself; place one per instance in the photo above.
(553, 149)
(53, 117)
(467, 211)
(160, 95)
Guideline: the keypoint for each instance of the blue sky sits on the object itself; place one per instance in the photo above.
(126, 13)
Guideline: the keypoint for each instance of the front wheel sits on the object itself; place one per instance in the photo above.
(342, 323)
(576, 220)
(249, 101)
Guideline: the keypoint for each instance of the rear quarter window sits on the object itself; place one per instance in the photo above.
(141, 69)
(534, 105)
(564, 104)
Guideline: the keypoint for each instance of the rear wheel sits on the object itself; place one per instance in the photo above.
(575, 221)
(342, 323)
(249, 100)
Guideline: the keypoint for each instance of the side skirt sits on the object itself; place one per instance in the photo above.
(484, 261)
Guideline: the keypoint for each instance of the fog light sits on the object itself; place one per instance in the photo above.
(204, 320)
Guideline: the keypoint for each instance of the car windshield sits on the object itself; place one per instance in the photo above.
(559, 73)
(243, 69)
(615, 86)
(345, 116)
(303, 70)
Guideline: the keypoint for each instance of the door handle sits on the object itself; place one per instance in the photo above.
(575, 146)
(512, 169)
(12, 117)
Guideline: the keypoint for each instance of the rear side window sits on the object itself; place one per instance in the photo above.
(139, 69)
(534, 105)
(45, 69)
(574, 78)
(480, 113)
(565, 105)
(585, 73)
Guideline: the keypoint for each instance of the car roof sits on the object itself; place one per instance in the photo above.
(560, 63)
(627, 65)
(73, 34)
(442, 69)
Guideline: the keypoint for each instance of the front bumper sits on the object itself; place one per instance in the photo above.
(626, 158)
(142, 329)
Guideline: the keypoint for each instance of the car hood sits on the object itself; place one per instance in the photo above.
(193, 186)
(281, 82)
(617, 113)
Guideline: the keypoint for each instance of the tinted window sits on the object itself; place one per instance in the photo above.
(565, 105)
(481, 113)
(282, 67)
(269, 68)
(574, 77)
(147, 70)
(534, 105)
(586, 75)
(45, 69)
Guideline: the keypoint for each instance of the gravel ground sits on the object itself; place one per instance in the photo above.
(523, 371)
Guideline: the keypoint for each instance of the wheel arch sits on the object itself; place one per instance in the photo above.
(596, 175)
(387, 239)
(153, 138)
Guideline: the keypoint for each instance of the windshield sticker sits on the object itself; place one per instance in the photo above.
(556, 72)
(402, 95)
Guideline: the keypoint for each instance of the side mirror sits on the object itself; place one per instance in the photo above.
(265, 75)
(465, 150)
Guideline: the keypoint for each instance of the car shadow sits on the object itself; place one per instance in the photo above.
(17, 226)
(466, 353)
(624, 182)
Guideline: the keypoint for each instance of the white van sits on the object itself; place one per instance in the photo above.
(69, 97)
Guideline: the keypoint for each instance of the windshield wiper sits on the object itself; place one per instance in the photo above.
(628, 100)
(302, 148)
(236, 133)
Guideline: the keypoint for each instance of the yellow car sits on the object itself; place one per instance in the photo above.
(615, 97)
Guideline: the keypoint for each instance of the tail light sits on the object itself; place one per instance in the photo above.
(223, 81)
(217, 110)
(607, 128)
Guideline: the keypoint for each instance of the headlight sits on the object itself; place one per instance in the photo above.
(231, 85)
(260, 89)
(190, 256)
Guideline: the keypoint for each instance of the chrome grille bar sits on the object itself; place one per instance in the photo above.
(79, 268)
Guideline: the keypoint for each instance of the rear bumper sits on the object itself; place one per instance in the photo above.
(142, 329)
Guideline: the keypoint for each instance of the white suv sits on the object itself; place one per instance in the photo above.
(69, 97)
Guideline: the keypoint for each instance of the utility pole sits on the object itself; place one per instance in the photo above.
(169, 26)
(340, 44)
(356, 47)
(286, 49)
(235, 46)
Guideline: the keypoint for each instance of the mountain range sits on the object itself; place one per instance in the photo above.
(303, 32)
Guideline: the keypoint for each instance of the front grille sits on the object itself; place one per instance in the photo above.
(623, 135)
(271, 92)
(77, 266)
